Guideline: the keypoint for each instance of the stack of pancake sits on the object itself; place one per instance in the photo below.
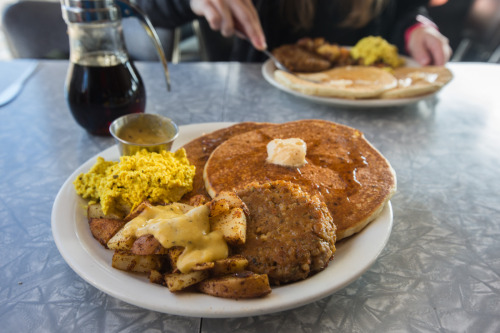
(345, 178)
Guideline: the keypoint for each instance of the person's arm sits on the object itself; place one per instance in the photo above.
(426, 44)
(227, 16)
(419, 36)
(232, 16)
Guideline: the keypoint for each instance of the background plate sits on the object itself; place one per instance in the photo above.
(268, 69)
(93, 263)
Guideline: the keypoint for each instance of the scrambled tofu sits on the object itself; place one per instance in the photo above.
(120, 186)
(373, 50)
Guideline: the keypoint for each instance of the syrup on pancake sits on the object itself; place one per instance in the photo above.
(198, 151)
(344, 170)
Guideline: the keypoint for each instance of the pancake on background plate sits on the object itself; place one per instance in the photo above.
(352, 82)
(417, 81)
(343, 169)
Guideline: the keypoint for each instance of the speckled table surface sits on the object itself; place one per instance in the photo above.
(440, 271)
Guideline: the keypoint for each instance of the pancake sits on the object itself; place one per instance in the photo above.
(353, 82)
(343, 169)
(198, 151)
(418, 81)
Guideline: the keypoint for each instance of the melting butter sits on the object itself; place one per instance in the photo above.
(416, 78)
(287, 152)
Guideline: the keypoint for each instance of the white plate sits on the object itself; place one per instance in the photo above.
(93, 263)
(268, 69)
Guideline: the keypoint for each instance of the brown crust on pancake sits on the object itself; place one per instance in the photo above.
(198, 151)
(344, 170)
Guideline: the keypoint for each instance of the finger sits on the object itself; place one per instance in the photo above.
(252, 9)
(242, 14)
(227, 23)
(436, 50)
(421, 55)
(439, 49)
(207, 10)
(246, 17)
(448, 53)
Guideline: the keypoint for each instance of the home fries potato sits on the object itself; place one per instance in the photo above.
(177, 267)
(178, 245)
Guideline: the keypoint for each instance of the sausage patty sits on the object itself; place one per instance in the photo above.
(290, 234)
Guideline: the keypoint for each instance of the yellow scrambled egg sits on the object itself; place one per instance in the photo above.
(373, 50)
(120, 186)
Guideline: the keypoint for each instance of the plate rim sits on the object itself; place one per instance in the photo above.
(268, 69)
(87, 258)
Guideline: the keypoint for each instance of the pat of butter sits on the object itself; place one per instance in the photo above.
(287, 152)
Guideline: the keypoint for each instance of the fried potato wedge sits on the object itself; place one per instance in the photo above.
(139, 209)
(218, 207)
(229, 265)
(103, 229)
(94, 211)
(240, 285)
(147, 244)
(180, 281)
(203, 266)
(173, 254)
(227, 199)
(156, 277)
(228, 213)
(121, 243)
(134, 263)
(198, 200)
(232, 224)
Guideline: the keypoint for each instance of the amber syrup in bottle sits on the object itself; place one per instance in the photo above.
(97, 93)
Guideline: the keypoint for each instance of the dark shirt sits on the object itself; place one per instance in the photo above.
(391, 24)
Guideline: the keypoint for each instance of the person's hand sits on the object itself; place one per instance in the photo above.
(428, 46)
(229, 15)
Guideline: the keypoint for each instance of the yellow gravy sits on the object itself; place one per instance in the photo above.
(178, 225)
(142, 136)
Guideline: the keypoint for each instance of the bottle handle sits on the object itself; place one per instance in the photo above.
(130, 10)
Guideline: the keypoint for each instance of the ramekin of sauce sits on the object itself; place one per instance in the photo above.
(137, 131)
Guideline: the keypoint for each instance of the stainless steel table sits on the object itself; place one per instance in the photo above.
(439, 272)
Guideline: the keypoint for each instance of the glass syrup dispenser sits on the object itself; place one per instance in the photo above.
(102, 83)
